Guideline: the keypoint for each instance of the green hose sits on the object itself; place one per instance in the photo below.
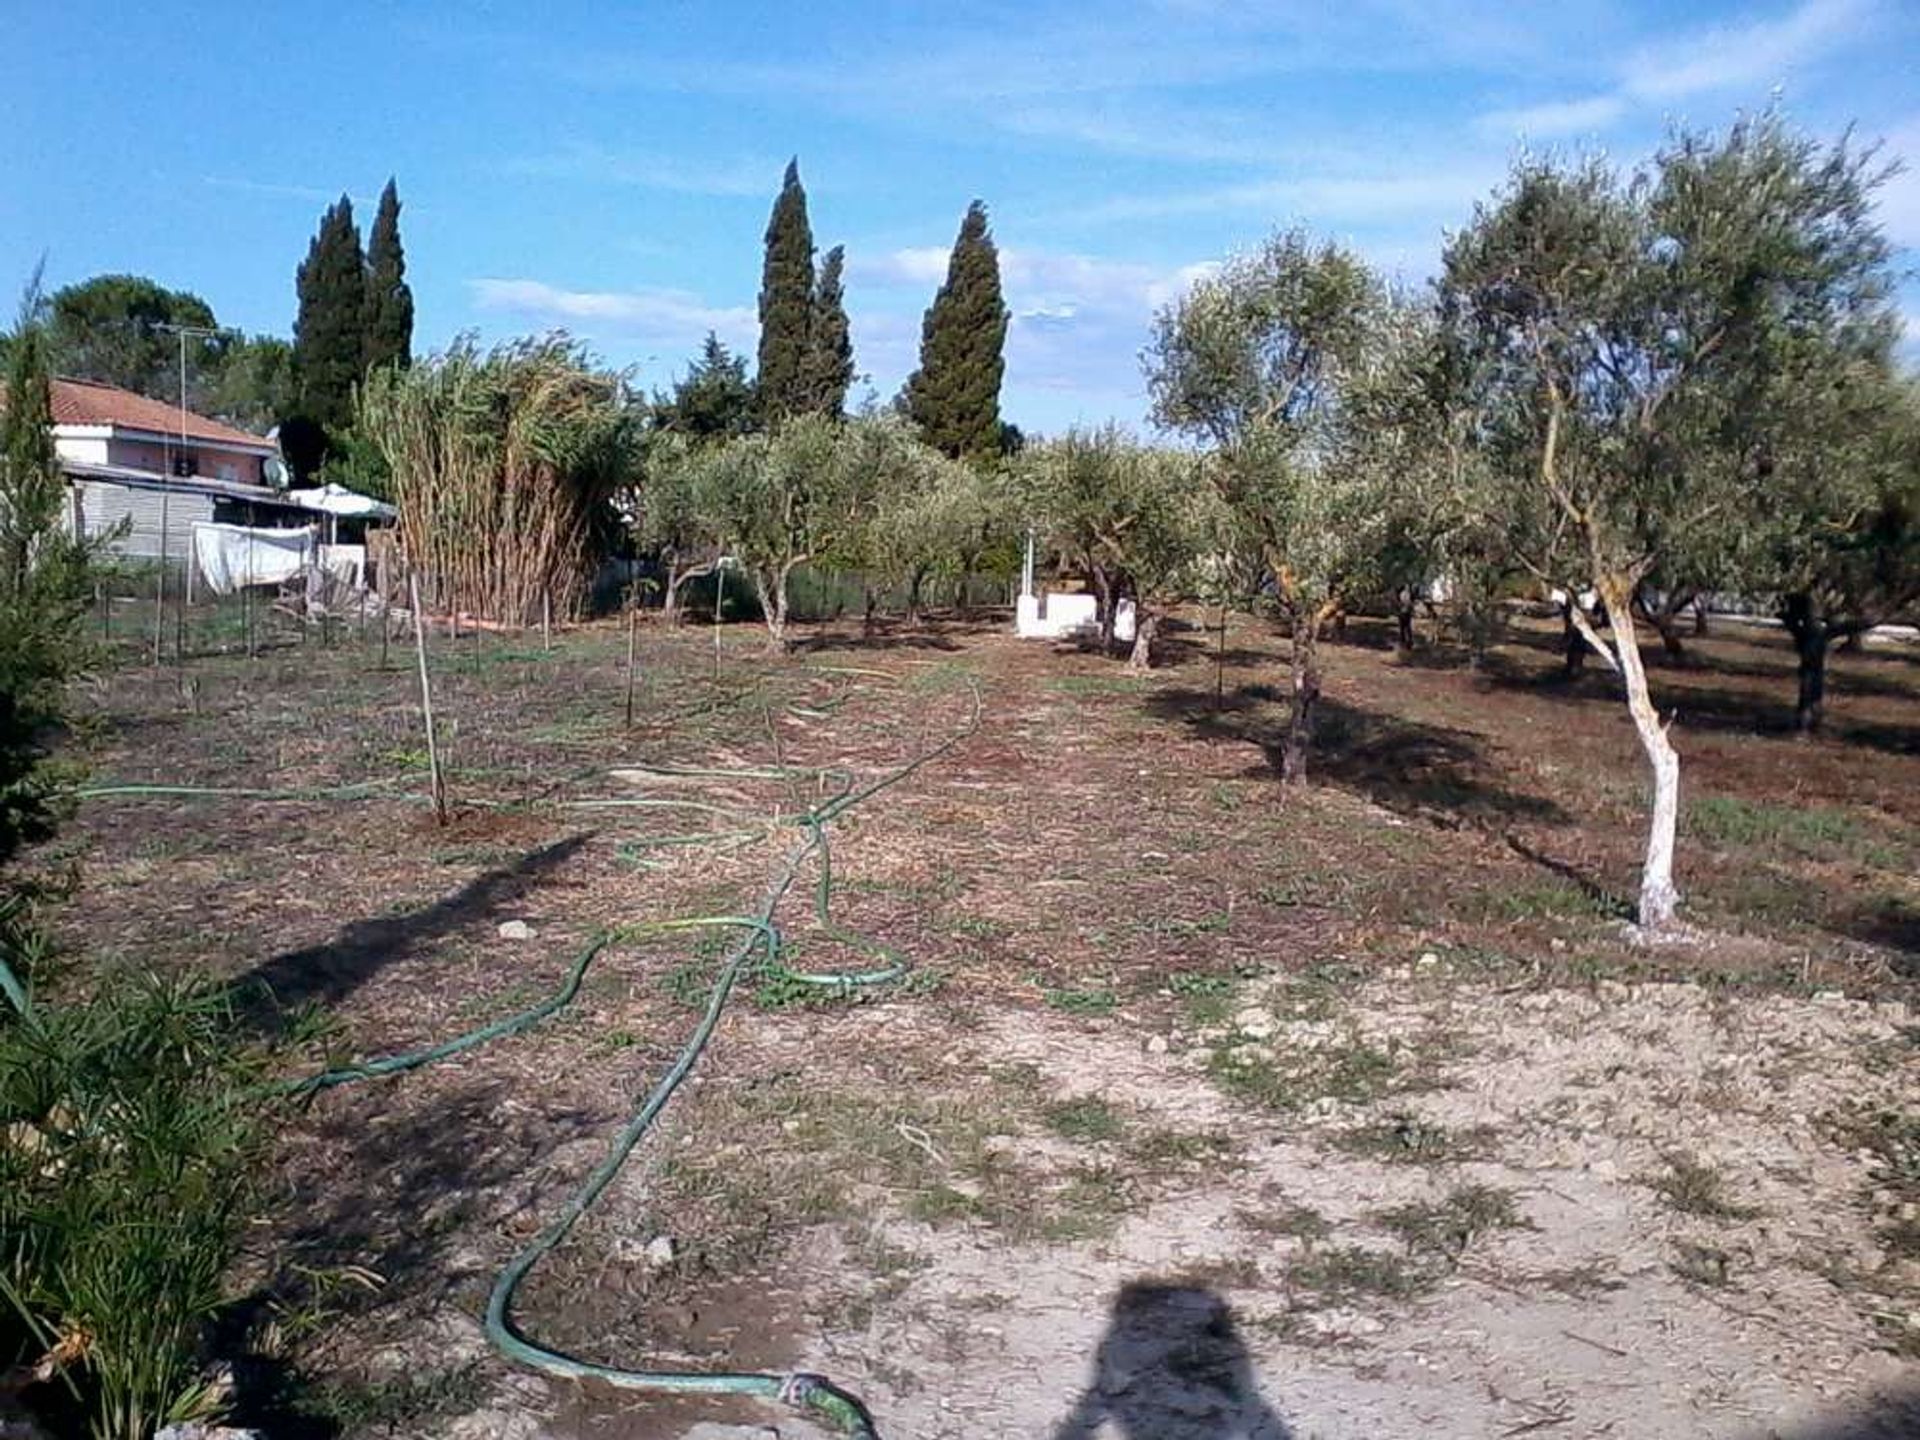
(800, 1390)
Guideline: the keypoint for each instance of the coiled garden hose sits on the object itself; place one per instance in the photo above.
(801, 1390)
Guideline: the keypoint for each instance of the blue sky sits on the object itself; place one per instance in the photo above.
(608, 167)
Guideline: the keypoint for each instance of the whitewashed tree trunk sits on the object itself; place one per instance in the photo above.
(1659, 899)
(1146, 623)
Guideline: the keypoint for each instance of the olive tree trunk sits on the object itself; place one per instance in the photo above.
(1144, 624)
(1659, 899)
(1812, 638)
(1305, 666)
(771, 586)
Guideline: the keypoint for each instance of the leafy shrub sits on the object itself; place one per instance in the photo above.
(124, 1151)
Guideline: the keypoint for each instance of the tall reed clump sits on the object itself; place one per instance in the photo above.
(503, 464)
(126, 1142)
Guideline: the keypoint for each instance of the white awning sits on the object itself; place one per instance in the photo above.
(338, 500)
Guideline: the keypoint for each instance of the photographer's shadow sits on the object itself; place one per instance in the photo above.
(1172, 1366)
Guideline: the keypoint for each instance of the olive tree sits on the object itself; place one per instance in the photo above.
(1139, 516)
(1615, 337)
(776, 501)
(670, 517)
(1841, 548)
(1258, 360)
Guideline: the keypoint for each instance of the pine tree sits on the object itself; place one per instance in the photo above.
(388, 337)
(45, 583)
(829, 370)
(714, 400)
(954, 397)
(328, 344)
(786, 303)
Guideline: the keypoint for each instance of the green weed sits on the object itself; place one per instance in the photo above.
(1088, 1120)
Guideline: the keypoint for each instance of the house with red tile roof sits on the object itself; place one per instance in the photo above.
(149, 470)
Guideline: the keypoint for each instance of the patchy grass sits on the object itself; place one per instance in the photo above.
(1353, 1272)
(1347, 1069)
(1288, 1221)
(1164, 1149)
(1406, 1139)
(1443, 1229)
(1817, 832)
(1694, 1188)
(1207, 999)
(1080, 1000)
(406, 1403)
(1088, 1120)
(1705, 1265)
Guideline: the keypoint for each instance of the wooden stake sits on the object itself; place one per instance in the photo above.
(546, 620)
(633, 638)
(160, 586)
(426, 705)
(1220, 661)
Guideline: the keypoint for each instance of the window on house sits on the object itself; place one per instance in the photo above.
(185, 462)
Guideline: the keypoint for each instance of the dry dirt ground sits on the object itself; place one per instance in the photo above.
(1208, 1111)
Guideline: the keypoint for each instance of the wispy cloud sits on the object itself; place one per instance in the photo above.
(1554, 119)
(1760, 52)
(1740, 57)
(600, 165)
(1899, 198)
(673, 320)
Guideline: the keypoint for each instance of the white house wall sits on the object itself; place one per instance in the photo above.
(86, 449)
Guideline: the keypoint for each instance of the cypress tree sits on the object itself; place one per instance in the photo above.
(786, 303)
(388, 335)
(328, 343)
(954, 397)
(829, 340)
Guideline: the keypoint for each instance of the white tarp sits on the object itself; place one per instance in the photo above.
(232, 556)
(338, 500)
(345, 564)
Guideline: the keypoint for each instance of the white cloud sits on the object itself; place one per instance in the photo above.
(1899, 198)
(674, 320)
(1554, 119)
(1730, 57)
(1745, 57)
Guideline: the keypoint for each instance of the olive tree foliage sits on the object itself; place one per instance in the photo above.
(668, 517)
(1615, 338)
(1841, 546)
(776, 501)
(930, 515)
(1259, 360)
(1140, 519)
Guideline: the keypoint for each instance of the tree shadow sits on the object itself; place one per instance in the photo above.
(327, 973)
(1603, 899)
(1707, 708)
(410, 1198)
(1172, 1366)
(1892, 1414)
(1431, 772)
(1890, 923)
(883, 638)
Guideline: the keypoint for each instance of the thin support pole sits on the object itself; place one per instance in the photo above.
(546, 620)
(633, 646)
(426, 705)
(1220, 661)
(160, 586)
(719, 604)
